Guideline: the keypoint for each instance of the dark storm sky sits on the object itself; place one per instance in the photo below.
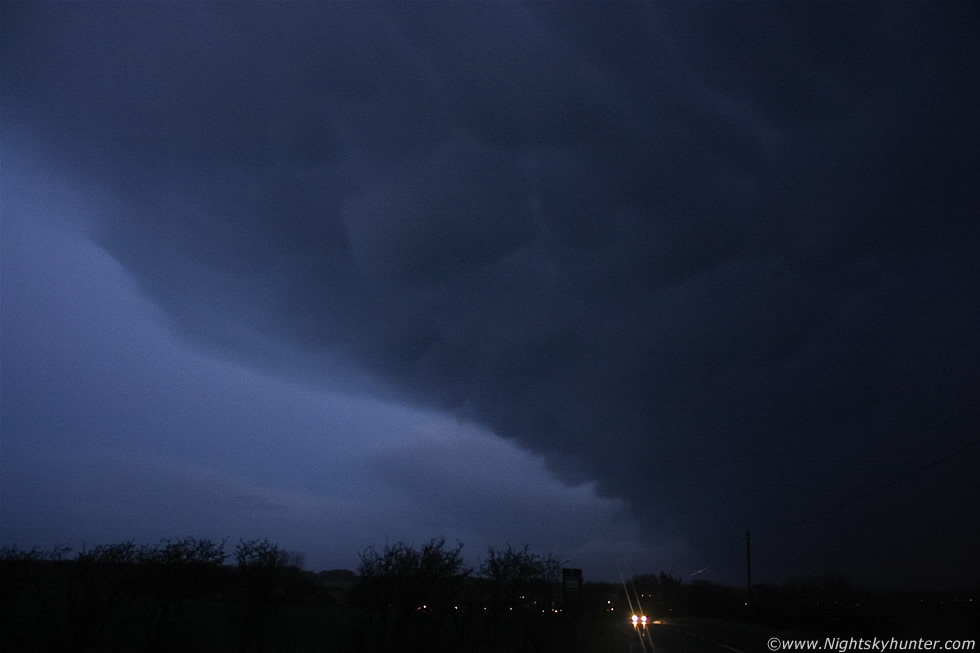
(618, 280)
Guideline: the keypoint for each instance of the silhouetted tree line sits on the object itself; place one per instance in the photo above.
(427, 599)
(654, 594)
(176, 595)
(523, 595)
(191, 595)
(187, 595)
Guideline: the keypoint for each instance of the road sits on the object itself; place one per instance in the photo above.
(665, 639)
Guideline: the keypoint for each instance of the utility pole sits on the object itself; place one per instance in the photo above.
(748, 565)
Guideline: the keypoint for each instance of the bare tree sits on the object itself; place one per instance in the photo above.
(523, 587)
(412, 593)
(521, 578)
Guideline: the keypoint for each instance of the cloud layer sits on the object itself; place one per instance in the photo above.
(719, 261)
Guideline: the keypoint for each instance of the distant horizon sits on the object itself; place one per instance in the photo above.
(473, 568)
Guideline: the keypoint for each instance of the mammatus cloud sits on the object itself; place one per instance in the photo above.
(718, 262)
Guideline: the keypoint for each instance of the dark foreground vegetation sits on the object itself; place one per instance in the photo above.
(191, 595)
